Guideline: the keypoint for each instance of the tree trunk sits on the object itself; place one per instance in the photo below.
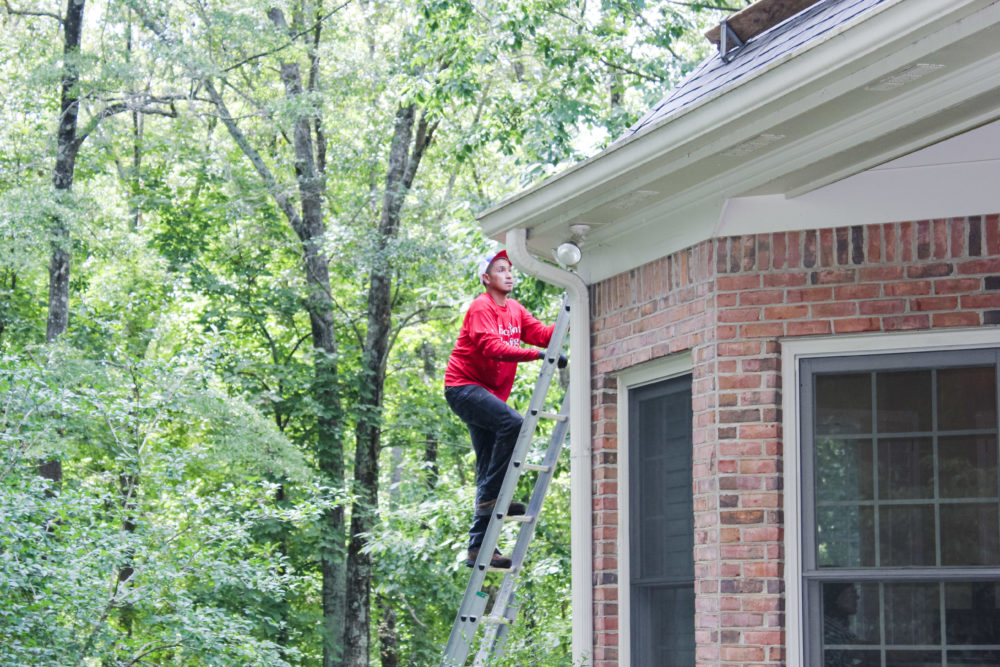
(311, 230)
(364, 512)
(430, 438)
(62, 181)
(388, 636)
(62, 175)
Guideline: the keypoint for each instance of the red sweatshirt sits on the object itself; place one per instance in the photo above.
(489, 345)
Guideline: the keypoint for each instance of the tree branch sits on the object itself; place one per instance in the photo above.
(31, 12)
(291, 39)
(119, 107)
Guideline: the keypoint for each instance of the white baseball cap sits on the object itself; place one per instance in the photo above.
(483, 265)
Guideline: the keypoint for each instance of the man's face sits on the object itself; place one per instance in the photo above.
(499, 277)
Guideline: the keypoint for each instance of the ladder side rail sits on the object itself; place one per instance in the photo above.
(494, 634)
(464, 627)
(524, 438)
(463, 634)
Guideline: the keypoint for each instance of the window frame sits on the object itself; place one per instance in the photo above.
(628, 380)
(837, 349)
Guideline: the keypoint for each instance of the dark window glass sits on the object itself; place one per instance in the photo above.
(904, 401)
(972, 612)
(967, 398)
(903, 495)
(905, 468)
(968, 466)
(844, 404)
(844, 470)
(661, 524)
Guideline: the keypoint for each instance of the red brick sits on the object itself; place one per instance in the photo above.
(738, 283)
(992, 235)
(767, 500)
(762, 330)
(841, 309)
(761, 297)
(794, 250)
(741, 381)
(744, 349)
(826, 247)
(765, 637)
(980, 266)
(758, 466)
(940, 235)
(786, 312)
(957, 285)
(957, 320)
(857, 292)
(990, 300)
(914, 288)
(761, 534)
(741, 517)
(878, 274)
(958, 226)
(833, 276)
(906, 234)
(742, 620)
(741, 654)
(785, 279)
(763, 570)
(739, 315)
(874, 254)
(807, 328)
(740, 415)
(906, 322)
(923, 234)
(758, 431)
(882, 307)
(934, 303)
(930, 270)
(891, 234)
(810, 294)
(856, 324)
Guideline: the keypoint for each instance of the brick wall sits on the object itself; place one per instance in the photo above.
(729, 302)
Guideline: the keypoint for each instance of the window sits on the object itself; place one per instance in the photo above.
(661, 526)
(900, 533)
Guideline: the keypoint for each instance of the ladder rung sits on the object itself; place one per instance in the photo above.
(537, 467)
(549, 415)
(496, 620)
(490, 568)
(525, 518)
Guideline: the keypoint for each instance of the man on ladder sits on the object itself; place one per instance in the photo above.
(478, 381)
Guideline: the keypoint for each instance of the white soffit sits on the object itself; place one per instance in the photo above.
(956, 177)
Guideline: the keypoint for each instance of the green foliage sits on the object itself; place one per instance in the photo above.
(183, 400)
(148, 544)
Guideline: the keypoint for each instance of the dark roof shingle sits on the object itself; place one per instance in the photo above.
(713, 76)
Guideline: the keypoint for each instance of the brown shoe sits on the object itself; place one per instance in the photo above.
(498, 559)
(514, 509)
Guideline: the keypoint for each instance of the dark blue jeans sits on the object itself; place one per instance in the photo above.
(493, 426)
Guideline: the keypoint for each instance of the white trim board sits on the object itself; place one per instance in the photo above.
(793, 351)
(632, 378)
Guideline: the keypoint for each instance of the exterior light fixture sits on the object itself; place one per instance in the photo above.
(568, 254)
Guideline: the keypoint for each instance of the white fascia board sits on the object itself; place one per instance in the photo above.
(733, 116)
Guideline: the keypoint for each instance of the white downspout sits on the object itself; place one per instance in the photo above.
(581, 507)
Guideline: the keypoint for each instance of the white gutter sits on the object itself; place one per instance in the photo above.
(581, 508)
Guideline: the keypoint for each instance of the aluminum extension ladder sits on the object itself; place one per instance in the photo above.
(504, 611)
